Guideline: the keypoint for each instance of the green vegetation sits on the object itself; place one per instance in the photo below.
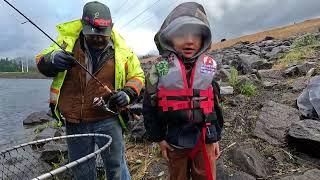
(53, 124)
(234, 77)
(247, 89)
(302, 48)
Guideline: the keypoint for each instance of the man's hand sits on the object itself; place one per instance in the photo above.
(164, 146)
(120, 99)
(62, 61)
(216, 150)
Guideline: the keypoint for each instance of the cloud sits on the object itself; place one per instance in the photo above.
(228, 18)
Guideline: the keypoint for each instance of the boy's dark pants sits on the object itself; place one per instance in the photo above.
(181, 167)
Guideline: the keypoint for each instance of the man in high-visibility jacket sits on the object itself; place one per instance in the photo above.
(93, 43)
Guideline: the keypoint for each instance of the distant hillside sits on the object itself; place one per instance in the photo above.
(312, 25)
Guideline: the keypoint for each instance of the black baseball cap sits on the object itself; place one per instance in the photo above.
(96, 19)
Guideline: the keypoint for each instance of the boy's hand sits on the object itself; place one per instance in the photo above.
(164, 146)
(216, 150)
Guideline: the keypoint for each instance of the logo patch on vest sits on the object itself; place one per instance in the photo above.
(209, 65)
(162, 67)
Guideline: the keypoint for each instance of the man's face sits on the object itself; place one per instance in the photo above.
(97, 41)
(187, 42)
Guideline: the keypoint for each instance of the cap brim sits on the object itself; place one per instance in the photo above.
(90, 30)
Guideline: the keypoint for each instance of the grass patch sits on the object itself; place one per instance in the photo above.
(302, 48)
(248, 89)
(234, 77)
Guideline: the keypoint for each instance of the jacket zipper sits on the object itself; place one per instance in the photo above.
(82, 96)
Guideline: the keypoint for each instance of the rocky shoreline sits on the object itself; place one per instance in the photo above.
(19, 75)
(265, 136)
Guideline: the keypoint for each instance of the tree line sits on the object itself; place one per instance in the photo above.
(7, 65)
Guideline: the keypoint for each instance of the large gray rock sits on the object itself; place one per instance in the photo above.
(300, 70)
(313, 174)
(49, 132)
(54, 152)
(271, 74)
(292, 71)
(223, 174)
(299, 84)
(305, 136)
(238, 175)
(275, 52)
(305, 67)
(250, 161)
(37, 118)
(274, 121)
(254, 62)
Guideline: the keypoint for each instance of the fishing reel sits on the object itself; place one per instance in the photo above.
(104, 105)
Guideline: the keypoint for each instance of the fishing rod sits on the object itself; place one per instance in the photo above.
(29, 20)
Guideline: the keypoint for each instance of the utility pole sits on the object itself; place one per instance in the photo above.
(27, 65)
(22, 66)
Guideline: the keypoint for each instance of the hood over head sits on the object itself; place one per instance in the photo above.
(186, 14)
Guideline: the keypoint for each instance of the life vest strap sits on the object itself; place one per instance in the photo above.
(201, 146)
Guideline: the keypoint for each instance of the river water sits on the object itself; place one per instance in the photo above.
(18, 99)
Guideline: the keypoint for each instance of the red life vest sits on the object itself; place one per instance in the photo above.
(174, 85)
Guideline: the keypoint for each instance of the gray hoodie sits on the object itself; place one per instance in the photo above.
(189, 13)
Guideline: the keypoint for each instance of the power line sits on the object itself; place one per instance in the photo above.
(122, 5)
(149, 7)
(151, 17)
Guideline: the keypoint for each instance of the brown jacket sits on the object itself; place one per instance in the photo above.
(77, 95)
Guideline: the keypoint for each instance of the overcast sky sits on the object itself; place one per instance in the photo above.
(228, 18)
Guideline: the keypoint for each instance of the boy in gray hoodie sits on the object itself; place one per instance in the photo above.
(181, 103)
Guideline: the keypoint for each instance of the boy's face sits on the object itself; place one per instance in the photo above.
(187, 42)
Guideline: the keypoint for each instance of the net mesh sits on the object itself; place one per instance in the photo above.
(48, 159)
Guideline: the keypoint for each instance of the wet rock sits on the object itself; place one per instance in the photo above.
(249, 160)
(274, 121)
(305, 136)
(37, 118)
(313, 174)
